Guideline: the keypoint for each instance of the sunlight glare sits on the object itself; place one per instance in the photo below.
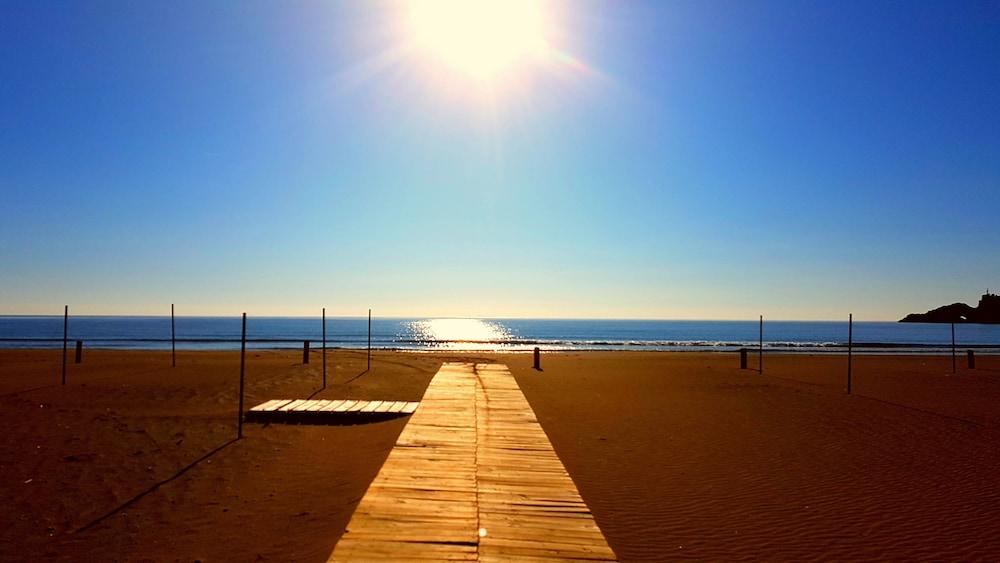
(461, 334)
(479, 38)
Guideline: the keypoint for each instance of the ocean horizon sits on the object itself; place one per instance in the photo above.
(491, 334)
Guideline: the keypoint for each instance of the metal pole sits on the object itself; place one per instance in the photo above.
(243, 354)
(305, 351)
(369, 339)
(79, 352)
(953, 368)
(324, 347)
(760, 349)
(65, 338)
(173, 339)
(850, 347)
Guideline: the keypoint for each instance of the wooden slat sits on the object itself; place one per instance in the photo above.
(345, 405)
(318, 405)
(334, 405)
(372, 406)
(305, 405)
(384, 407)
(271, 405)
(473, 477)
(291, 405)
(359, 406)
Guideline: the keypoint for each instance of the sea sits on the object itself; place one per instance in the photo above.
(501, 335)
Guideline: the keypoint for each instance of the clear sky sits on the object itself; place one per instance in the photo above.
(659, 160)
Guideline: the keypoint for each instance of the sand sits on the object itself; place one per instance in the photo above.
(685, 456)
(127, 422)
(679, 455)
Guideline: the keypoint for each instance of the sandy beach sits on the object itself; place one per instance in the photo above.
(426, 194)
(678, 455)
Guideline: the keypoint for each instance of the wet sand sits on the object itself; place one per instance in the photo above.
(679, 455)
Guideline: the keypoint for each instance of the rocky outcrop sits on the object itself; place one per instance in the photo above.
(987, 312)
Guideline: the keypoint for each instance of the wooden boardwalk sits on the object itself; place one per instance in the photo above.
(473, 477)
(320, 410)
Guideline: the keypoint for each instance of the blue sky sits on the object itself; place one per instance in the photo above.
(699, 160)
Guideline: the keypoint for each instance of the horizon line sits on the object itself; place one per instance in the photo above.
(487, 318)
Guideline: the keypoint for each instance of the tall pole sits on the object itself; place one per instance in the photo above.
(369, 339)
(760, 348)
(953, 369)
(65, 338)
(324, 347)
(243, 354)
(850, 346)
(173, 339)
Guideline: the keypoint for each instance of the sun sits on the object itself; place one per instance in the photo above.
(482, 39)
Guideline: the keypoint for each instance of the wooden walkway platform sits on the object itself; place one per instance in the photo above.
(320, 410)
(473, 477)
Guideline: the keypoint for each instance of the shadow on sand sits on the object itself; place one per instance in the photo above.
(153, 488)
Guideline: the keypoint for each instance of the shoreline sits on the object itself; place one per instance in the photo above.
(478, 335)
(864, 349)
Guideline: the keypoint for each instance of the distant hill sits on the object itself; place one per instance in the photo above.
(987, 312)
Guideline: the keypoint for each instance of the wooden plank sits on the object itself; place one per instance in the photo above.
(305, 405)
(333, 405)
(318, 405)
(372, 406)
(345, 405)
(271, 405)
(291, 405)
(397, 406)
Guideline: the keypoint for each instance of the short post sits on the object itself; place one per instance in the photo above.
(760, 349)
(243, 354)
(65, 339)
(324, 347)
(850, 349)
(305, 351)
(743, 358)
(953, 362)
(79, 351)
(538, 359)
(971, 357)
(173, 339)
(369, 339)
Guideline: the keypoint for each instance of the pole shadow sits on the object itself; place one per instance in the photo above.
(920, 410)
(357, 376)
(153, 488)
(316, 392)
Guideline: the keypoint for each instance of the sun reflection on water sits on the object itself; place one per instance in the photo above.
(461, 334)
